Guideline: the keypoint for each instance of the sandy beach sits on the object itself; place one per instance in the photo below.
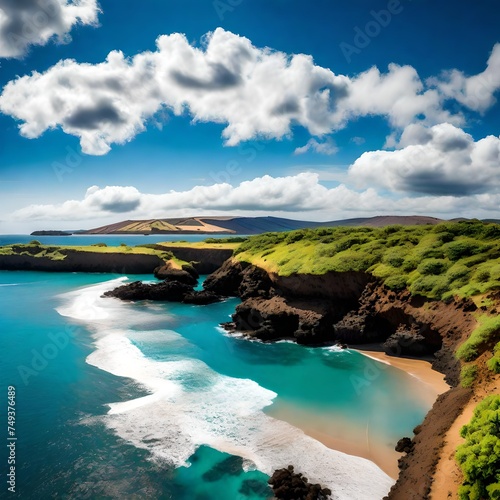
(346, 437)
(433, 381)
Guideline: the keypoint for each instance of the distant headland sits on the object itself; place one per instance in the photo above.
(51, 233)
(232, 225)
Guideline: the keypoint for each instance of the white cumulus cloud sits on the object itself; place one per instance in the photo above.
(299, 196)
(297, 193)
(35, 22)
(441, 160)
(476, 91)
(326, 147)
(254, 92)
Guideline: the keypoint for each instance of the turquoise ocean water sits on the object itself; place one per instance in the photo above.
(149, 400)
(110, 239)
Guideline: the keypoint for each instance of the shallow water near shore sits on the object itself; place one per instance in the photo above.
(155, 400)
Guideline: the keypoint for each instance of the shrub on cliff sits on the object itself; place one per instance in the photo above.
(488, 329)
(396, 283)
(352, 261)
(394, 258)
(468, 375)
(349, 241)
(432, 266)
(479, 456)
(233, 239)
(430, 286)
(457, 250)
(494, 362)
(457, 272)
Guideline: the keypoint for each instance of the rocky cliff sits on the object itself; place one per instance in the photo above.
(84, 262)
(204, 260)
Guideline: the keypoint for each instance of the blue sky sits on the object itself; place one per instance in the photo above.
(394, 109)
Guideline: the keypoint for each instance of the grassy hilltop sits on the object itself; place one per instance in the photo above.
(438, 261)
(60, 252)
(444, 261)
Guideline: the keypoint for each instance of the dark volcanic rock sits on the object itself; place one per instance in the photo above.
(266, 319)
(239, 279)
(405, 445)
(167, 290)
(307, 321)
(201, 298)
(255, 282)
(166, 272)
(361, 328)
(409, 341)
(227, 279)
(316, 331)
(173, 291)
(289, 485)
(351, 328)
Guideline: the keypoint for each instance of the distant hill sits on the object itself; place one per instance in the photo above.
(386, 220)
(245, 225)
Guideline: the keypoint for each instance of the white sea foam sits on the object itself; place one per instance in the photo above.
(191, 405)
(336, 348)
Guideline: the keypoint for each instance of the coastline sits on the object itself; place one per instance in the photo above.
(419, 368)
(347, 437)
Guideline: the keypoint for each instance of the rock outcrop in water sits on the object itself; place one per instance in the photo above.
(173, 291)
(170, 273)
(290, 485)
(240, 279)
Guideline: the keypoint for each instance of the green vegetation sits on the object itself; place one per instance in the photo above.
(34, 242)
(217, 244)
(35, 249)
(487, 331)
(468, 375)
(479, 456)
(494, 362)
(234, 239)
(188, 266)
(60, 252)
(461, 259)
